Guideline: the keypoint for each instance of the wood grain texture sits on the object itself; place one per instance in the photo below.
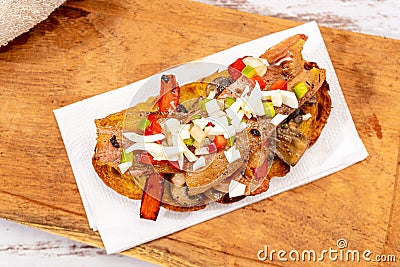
(89, 47)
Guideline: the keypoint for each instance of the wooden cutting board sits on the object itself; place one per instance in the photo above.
(89, 47)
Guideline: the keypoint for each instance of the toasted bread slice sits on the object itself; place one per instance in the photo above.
(109, 132)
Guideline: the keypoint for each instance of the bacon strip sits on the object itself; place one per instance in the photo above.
(282, 50)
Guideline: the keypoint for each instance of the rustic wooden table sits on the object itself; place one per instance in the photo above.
(86, 48)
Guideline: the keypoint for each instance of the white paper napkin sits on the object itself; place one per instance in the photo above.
(117, 217)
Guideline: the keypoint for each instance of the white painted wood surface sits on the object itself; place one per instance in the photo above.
(23, 246)
(376, 17)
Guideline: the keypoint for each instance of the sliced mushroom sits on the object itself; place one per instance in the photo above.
(290, 144)
(179, 193)
(214, 194)
(218, 85)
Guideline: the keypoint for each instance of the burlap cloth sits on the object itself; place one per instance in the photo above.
(18, 16)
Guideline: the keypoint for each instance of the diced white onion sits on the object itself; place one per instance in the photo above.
(217, 114)
(143, 138)
(230, 131)
(235, 106)
(188, 154)
(184, 132)
(278, 119)
(223, 121)
(200, 163)
(261, 70)
(254, 101)
(202, 123)
(172, 153)
(259, 65)
(212, 106)
(254, 62)
(273, 95)
(123, 167)
(232, 154)
(198, 134)
(289, 99)
(236, 189)
(236, 118)
(217, 130)
(173, 125)
(201, 151)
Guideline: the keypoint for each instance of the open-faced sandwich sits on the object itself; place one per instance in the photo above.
(220, 138)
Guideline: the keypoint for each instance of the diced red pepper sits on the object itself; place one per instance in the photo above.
(148, 131)
(219, 141)
(260, 81)
(279, 84)
(169, 94)
(154, 127)
(235, 69)
(211, 148)
(210, 124)
(152, 117)
(157, 127)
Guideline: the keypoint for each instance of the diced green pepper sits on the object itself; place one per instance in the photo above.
(202, 104)
(143, 124)
(195, 117)
(229, 101)
(269, 109)
(230, 141)
(189, 141)
(229, 120)
(126, 157)
(300, 89)
(249, 71)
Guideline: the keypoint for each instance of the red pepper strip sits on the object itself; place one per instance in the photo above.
(152, 195)
(279, 84)
(169, 94)
(235, 69)
(260, 81)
